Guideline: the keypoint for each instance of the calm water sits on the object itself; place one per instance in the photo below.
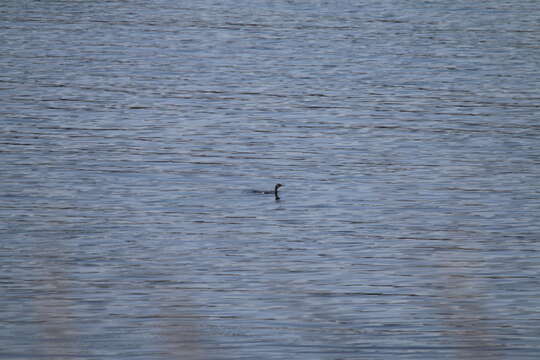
(406, 134)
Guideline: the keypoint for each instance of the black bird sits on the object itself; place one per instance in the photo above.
(275, 192)
(276, 189)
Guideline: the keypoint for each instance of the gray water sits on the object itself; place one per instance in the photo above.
(406, 134)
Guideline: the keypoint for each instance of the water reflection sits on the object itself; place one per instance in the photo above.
(469, 323)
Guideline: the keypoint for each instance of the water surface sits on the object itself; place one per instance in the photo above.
(406, 134)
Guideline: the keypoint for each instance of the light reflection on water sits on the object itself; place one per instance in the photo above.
(407, 142)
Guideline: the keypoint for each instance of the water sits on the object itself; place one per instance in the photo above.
(405, 132)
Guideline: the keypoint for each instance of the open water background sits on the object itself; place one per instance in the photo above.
(406, 134)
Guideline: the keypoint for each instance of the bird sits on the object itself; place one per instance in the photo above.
(275, 192)
(276, 189)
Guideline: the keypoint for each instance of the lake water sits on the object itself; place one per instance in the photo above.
(406, 134)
